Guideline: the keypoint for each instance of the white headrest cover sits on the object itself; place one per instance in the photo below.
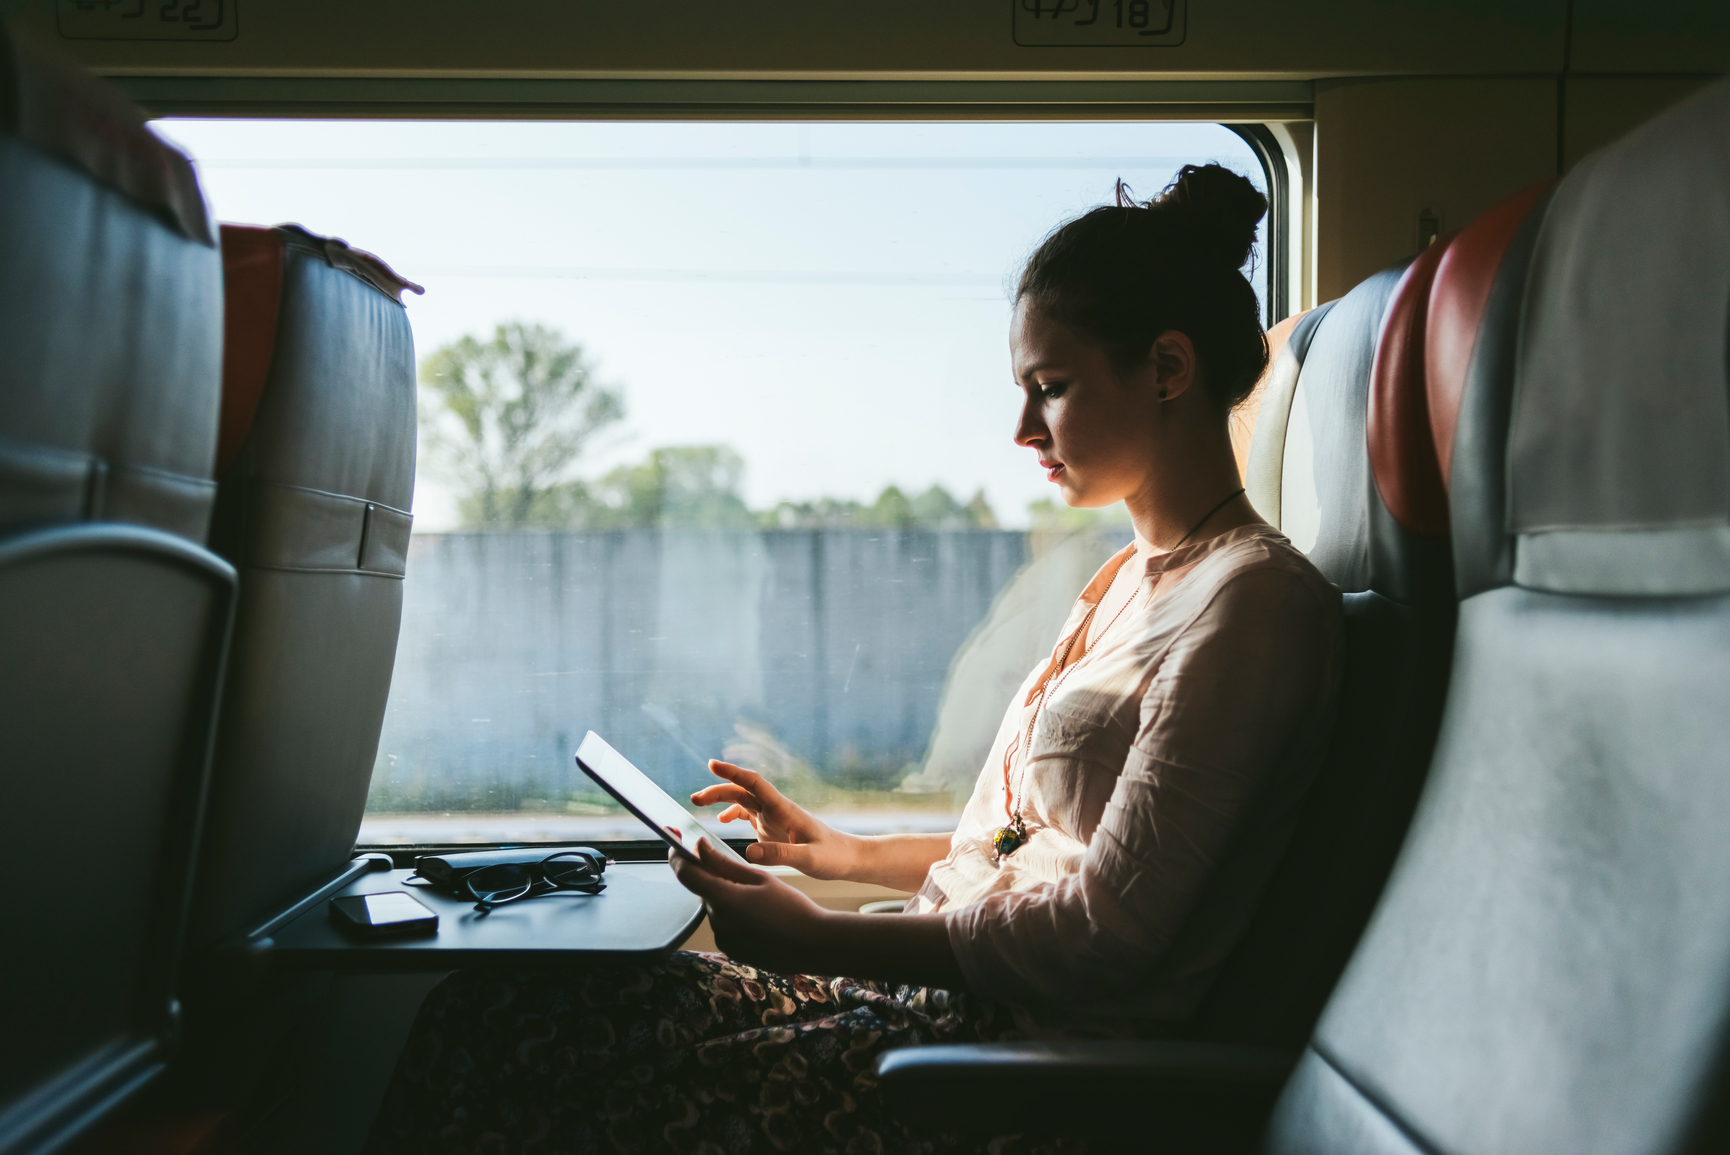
(1619, 450)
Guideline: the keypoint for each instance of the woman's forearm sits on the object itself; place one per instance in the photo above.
(899, 948)
(898, 861)
(759, 919)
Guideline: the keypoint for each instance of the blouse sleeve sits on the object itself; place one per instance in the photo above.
(1219, 721)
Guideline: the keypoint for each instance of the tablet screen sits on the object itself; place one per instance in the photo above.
(641, 797)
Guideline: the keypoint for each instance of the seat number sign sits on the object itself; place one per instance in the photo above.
(147, 19)
(1098, 23)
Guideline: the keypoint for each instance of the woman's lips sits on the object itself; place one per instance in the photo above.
(1052, 469)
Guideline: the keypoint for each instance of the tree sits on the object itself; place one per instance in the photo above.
(676, 487)
(936, 508)
(513, 414)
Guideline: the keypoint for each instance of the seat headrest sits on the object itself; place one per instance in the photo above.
(1402, 448)
(1422, 360)
(1459, 298)
(57, 109)
(252, 259)
(252, 292)
(1258, 426)
(337, 253)
(1325, 474)
(1619, 445)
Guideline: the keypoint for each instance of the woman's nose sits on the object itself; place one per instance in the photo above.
(1030, 429)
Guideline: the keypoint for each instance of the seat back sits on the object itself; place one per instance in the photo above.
(1549, 968)
(1331, 434)
(316, 468)
(1308, 471)
(113, 622)
(114, 638)
(110, 310)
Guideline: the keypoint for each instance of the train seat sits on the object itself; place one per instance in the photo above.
(113, 617)
(316, 471)
(112, 317)
(1549, 969)
(1315, 468)
(1343, 421)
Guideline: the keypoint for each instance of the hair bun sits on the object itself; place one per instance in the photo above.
(1224, 208)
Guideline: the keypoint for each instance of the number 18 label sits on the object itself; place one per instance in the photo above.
(1082, 23)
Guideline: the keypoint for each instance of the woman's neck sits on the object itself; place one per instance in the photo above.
(1188, 495)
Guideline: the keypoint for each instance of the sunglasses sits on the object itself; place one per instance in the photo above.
(577, 870)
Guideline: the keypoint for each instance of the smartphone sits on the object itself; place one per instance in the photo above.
(394, 912)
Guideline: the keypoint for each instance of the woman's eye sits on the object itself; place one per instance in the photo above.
(1053, 390)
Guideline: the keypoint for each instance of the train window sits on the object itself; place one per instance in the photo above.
(716, 451)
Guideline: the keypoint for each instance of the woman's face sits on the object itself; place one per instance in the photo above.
(1095, 430)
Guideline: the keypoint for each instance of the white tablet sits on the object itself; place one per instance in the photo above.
(636, 793)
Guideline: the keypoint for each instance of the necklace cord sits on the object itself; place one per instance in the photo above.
(1016, 826)
(1205, 516)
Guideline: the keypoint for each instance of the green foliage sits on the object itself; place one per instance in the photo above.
(936, 508)
(509, 417)
(676, 487)
(697, 487)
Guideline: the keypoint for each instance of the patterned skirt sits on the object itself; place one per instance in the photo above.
(697, 1054)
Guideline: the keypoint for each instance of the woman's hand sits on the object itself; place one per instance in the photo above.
(760, 920)
(787, 834)
(757, 918)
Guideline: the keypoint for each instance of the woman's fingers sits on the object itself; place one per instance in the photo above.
(725, 866)
(757, 917)
(714, 876)
(716, 892)
(743, 807)
(724, 792)
(794, 854)
(748, 779)
(697, 878)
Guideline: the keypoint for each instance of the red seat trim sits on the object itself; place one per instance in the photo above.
(1457, 302)
(1402, 450)
(252, 289)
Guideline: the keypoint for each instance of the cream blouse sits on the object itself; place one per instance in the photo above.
(1162, 782)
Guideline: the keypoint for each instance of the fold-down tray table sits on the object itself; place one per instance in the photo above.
(643, 914)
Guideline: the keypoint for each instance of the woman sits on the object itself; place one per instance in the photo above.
(1139, 792)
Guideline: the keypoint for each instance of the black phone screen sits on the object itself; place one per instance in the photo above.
(393, 912)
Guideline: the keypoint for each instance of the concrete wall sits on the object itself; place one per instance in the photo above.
(828, 646)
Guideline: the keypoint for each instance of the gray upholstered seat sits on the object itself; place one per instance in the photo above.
(113, 618)
(1549, 969)
(111, 311)
(316, 471)
(1310, 472)
(316, 468)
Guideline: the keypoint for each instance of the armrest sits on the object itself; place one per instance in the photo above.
(1162, 1095)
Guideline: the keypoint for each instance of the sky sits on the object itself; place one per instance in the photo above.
(830, 300)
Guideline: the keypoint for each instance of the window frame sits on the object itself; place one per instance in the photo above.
(1244, 108)
(1276, 246)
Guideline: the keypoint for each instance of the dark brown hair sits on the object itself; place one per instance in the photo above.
(1126, 273)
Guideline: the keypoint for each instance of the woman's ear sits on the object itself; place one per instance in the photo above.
(1172, 363)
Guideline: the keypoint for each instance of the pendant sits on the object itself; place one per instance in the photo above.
(1010, 838)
